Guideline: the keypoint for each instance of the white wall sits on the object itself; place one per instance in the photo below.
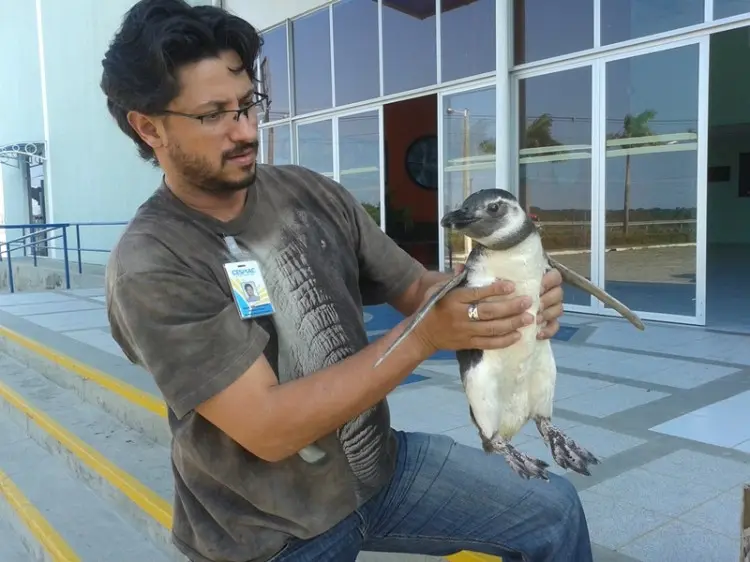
(94, 172)
(21, 118)
(264, 13)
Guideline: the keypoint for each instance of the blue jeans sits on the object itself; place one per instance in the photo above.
(445, 497)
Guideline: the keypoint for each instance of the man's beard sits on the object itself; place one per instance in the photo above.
(201, 174)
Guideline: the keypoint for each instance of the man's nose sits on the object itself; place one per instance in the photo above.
(245, 128)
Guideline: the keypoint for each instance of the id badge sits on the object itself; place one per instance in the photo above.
(249, 289)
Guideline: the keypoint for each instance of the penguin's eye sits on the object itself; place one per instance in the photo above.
(493, 207)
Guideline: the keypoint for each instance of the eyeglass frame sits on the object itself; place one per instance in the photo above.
(262, 97)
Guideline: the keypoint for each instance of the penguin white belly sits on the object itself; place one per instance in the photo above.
(509, 386)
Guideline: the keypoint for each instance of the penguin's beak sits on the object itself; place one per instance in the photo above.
(458, 219)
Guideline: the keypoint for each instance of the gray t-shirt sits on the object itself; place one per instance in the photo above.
(171, 311)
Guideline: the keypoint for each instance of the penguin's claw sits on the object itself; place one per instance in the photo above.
(522, 464)
(566, 452)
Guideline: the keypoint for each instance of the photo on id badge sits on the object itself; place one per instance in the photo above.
(249, 289)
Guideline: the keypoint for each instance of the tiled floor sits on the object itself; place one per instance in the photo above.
(667, 410)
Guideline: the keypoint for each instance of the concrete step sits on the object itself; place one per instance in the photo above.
(78, 448)
(86, 527)
(110, 434)
(12, 548)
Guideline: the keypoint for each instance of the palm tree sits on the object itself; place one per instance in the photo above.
(538, 134)
(632, 127)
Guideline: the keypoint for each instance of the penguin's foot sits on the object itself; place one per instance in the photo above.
(521, 463)
(566, 452)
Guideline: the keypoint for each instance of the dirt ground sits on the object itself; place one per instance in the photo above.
(669, 264)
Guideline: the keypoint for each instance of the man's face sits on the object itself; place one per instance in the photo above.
(216, 154)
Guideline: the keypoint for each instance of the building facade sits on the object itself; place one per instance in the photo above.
(623, 127)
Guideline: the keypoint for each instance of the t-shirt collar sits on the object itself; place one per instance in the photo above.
(233, 227)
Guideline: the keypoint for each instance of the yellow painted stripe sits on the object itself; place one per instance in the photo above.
(152, 404)
(473, 557)
(128, 392)
(42, 531)
(151, 503)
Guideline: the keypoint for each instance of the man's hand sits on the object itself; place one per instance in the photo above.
(550, 305)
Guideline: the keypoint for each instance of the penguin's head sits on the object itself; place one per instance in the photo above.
(493, 218)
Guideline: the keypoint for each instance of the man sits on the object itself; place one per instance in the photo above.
(282, 447)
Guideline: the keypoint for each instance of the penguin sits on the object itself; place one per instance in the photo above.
(508, 387)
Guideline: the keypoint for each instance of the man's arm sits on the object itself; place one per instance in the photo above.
(276, 421)
(204, 358)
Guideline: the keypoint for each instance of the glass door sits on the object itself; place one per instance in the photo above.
(466, 132)
(653, 137)
(315, 146)
(555, 167)
(360, 153)
(276, 144)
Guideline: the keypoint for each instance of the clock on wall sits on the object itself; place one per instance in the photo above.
(422, 162)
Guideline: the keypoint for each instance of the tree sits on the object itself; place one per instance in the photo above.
(632, 127)
(536, 135)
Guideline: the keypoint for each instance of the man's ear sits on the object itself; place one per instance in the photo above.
(150, 130)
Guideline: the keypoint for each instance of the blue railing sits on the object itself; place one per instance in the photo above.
(35, 241)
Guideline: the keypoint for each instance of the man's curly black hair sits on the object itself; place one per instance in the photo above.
(156, 38)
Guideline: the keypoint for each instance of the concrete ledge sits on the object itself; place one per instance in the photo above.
(109, 393)
(37, 535)
(136, 502)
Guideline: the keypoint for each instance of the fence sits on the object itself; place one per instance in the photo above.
(35, 241)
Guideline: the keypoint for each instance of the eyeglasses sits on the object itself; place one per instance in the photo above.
(222, 117)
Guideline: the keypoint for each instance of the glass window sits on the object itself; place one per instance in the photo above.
(315, 146)
(359, 159)
(274, 68)
(652, 182)
(312, 62)
(277, 145)
(355, 44)
(467, 35)
(550, 28)
(630, 19)
(726, 8)
(469, 129)
(555, 166)
(409, 45)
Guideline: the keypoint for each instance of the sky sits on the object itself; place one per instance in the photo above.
(665, 82)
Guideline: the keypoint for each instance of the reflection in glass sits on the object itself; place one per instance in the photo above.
(312, 62)
(539, 32)
(651, 189)
(277, 145)
(409, 45)
(468, 157)
(355, 45)
(727, 8)
(274, 68)
(467, 35)
(359, 159)
(630, 19)
(315, 146)
(555, 166)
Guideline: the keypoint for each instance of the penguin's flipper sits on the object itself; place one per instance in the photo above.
(423, 310)
(573, 278)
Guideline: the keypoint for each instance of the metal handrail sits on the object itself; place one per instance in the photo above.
(44, 229)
